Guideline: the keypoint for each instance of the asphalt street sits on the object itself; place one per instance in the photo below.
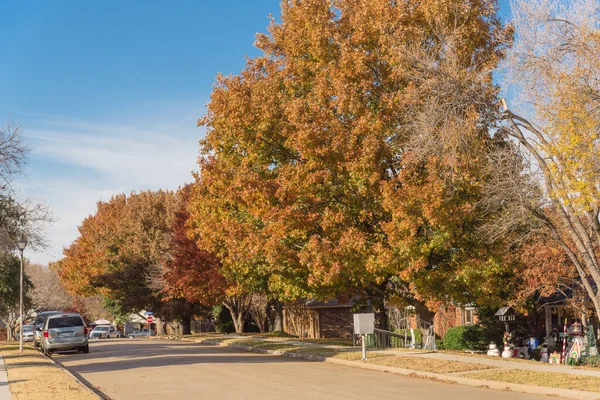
(159, 369)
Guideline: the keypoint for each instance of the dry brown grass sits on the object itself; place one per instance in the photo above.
(325, 342)
(429, 365)
(349, 354)
(547, 379)
(33, 377)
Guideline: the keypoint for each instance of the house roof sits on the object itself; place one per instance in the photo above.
(331, 303)
(505, 311)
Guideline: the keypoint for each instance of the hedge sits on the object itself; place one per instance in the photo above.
(469, 337)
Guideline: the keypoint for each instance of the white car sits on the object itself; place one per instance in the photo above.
(141, 333)
(104, 332)
(28, 333)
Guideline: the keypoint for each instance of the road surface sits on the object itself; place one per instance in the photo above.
(160, 369)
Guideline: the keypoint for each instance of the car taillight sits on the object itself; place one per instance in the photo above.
(85, 331)
(46, 334)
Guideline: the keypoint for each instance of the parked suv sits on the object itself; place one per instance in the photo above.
(64, 332)
(39, 323)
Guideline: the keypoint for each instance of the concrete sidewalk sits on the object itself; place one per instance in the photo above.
(4, 389)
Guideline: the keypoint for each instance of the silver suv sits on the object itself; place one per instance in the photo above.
(39, 323)
(64, 332)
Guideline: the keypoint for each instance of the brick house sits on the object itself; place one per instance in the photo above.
(450, 316)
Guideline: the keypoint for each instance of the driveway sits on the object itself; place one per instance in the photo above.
(157, 369)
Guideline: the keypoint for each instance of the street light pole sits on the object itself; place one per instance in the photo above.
(21, 244)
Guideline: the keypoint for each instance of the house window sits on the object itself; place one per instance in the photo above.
(469, 316)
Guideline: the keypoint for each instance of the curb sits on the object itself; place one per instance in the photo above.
(478, 383)
(4, 388)
(87, 386)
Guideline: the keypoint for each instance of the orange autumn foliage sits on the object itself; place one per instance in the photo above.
(347, 157)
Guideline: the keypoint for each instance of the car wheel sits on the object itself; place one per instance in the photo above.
(85, 349)
(36, 344)
(45, 351)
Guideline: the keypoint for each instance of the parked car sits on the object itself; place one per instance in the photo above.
(39, 323)
(104, 332)
(27, 333)
(64, 332)
(141, 333)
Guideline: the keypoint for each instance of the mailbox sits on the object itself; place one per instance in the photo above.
(364, 324)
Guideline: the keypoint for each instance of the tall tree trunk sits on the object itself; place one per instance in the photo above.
(186, 325)
(238, 319)
(160, 329)
(238, 306)
(275, 315)
(259, 309)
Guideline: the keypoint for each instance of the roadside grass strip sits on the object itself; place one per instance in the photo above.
(546, 379)
(430, 365)
(373, 357)
(31, 376)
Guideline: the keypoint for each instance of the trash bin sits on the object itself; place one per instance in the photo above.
(533, 343)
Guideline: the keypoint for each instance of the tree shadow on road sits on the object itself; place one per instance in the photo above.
(124, 356)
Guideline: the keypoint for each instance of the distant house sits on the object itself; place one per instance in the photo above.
(332, 319)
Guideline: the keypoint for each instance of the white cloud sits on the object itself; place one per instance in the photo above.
(77, 163)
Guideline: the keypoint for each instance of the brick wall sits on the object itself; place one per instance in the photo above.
(448, 317)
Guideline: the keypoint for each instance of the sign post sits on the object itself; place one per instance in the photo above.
(364, 324)
(150, 319)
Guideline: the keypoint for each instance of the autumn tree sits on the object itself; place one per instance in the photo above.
(347, 158)
(547, 177)
(119, 250)
(192, 277)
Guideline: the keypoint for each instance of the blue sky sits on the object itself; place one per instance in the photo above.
(108, 93)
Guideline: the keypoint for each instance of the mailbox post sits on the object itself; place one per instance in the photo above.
(364, 324)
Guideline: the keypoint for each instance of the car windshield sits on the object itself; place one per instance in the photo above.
(27, 328)
(101, 328)
(64, 322)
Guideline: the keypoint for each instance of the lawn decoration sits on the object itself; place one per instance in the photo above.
(574, 353)
(544, 353)
(493, 351)
(564, 351)
(555, 358)
(507, 352)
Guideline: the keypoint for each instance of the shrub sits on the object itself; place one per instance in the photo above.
(222, 318)
(592, 361)
(439, 345)
(469, 337)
